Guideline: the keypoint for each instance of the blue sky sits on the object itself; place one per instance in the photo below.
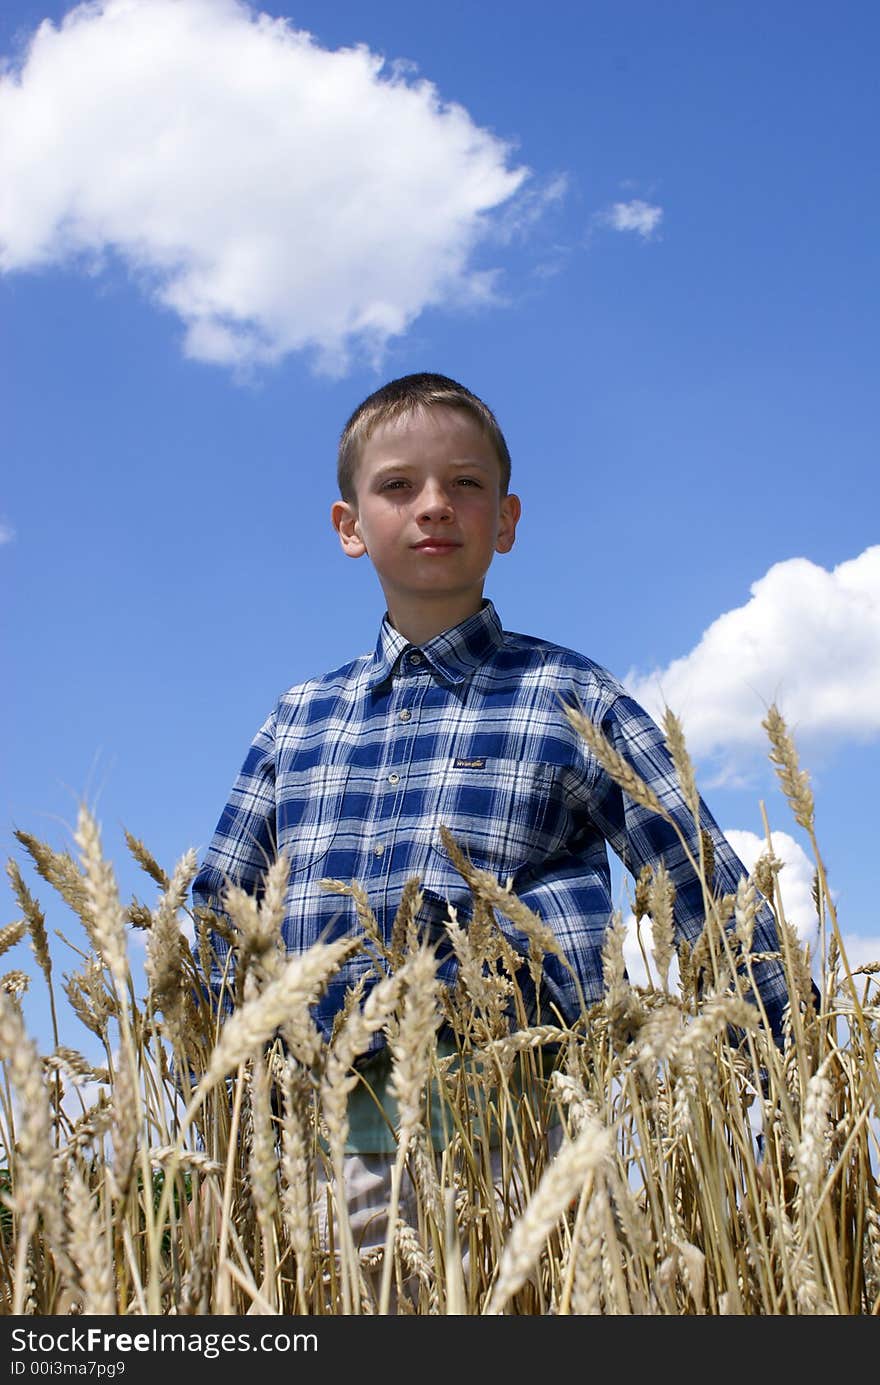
(645, 234)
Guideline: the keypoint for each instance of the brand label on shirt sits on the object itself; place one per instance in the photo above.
(461, 763)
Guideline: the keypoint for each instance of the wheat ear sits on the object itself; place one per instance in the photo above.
(562, 1181)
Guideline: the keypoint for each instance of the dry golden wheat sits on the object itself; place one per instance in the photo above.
(706, 1166)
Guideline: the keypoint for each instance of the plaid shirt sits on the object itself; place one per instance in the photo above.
(352, 774)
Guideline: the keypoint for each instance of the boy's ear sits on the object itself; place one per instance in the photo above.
(511, 509)
(345, 521)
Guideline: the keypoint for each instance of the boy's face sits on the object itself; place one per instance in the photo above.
(430, 515)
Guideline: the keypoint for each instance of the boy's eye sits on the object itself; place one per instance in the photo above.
(397, 483)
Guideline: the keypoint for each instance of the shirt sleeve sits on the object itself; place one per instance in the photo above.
(244, 842)
(640, 837)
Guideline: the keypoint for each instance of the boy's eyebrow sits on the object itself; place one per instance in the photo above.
(473, 462)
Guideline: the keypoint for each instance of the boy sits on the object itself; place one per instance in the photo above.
(453, 721)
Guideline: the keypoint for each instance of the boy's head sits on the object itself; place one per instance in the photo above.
(407, 395)
(424, 472)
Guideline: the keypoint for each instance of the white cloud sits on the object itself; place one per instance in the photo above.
(638, 216)
(529, 207)
(861, 949)
(808, 640)
(7, 533)
(277, 196)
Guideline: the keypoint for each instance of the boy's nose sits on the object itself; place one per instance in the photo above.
(435, 503)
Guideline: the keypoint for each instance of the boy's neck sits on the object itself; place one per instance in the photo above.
(422, 621)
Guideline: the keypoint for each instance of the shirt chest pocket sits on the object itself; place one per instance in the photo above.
(501, 815)
(310, 813)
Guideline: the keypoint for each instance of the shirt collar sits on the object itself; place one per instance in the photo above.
(453, 655)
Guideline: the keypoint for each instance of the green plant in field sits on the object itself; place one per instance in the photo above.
(6, 1218)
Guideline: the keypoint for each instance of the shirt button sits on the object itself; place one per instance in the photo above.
(394, 779)
(405, 714)
(415, 658)
(378, 849)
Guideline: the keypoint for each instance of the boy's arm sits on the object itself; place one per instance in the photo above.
(244, 842)
(641, 837)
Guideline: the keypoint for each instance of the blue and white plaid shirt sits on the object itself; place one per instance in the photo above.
(353, 773)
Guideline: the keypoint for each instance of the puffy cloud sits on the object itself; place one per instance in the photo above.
(638, 216)
(808, 639)
(276, 195)
(861, 948)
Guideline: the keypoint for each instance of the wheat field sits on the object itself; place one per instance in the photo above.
(698, 1167)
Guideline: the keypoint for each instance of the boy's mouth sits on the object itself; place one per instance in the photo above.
(436, 545)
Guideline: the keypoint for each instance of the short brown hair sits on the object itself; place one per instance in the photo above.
(404, 396)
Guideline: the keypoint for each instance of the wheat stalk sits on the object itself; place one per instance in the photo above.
(561, 1181)
(795, 781)
(88, 1247)
(614, 764)
(296, 988)
(676, 1210)
(661, 898)
(411, 1048)
(105, 914)
(297, 1171)
(36, 1192)
(167, 951)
